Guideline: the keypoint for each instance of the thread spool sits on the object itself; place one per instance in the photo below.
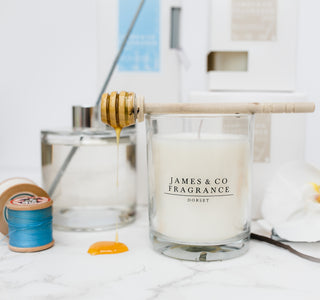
(16, 187)
(30, 223)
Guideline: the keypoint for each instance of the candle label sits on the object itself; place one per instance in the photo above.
(198, 189)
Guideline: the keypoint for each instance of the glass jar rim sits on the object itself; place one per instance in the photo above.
(108, 132)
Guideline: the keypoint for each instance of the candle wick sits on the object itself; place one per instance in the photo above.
(199, 129)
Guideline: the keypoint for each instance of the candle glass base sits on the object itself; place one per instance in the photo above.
(229, 249)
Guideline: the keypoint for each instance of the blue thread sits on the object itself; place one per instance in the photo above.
(28, 229)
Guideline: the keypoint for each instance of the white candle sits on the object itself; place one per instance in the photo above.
(201, 187)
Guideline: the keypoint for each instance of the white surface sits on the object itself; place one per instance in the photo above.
(66, 271)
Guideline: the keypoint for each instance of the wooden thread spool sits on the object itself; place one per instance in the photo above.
(30, 223)
(13, 188)
(123, 109)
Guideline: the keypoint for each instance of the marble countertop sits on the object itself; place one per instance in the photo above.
(66, 271)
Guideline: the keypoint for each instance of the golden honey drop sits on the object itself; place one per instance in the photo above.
(107, 247)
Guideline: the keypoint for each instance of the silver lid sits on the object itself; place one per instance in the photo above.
(85, 117)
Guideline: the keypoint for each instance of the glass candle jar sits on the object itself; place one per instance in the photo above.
(80, 170)
(200, 185)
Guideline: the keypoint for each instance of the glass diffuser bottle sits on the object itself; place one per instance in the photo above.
(93, 186)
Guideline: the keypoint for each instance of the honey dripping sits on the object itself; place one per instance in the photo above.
(118, 131)
(110, 247)
(118, 111)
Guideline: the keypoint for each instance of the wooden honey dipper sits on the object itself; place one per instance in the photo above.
(122, 109)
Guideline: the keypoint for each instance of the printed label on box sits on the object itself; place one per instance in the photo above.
(254, 20)
(142, 51)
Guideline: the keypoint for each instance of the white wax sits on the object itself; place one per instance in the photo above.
(219, 167)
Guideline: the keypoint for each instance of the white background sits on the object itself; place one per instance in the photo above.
(49, 61)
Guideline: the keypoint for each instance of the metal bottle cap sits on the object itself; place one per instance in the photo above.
(85, 117)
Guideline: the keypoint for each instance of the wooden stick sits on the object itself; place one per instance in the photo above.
(121, 110)
(228, 108)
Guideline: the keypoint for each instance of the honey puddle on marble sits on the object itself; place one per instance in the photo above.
(109, 247)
